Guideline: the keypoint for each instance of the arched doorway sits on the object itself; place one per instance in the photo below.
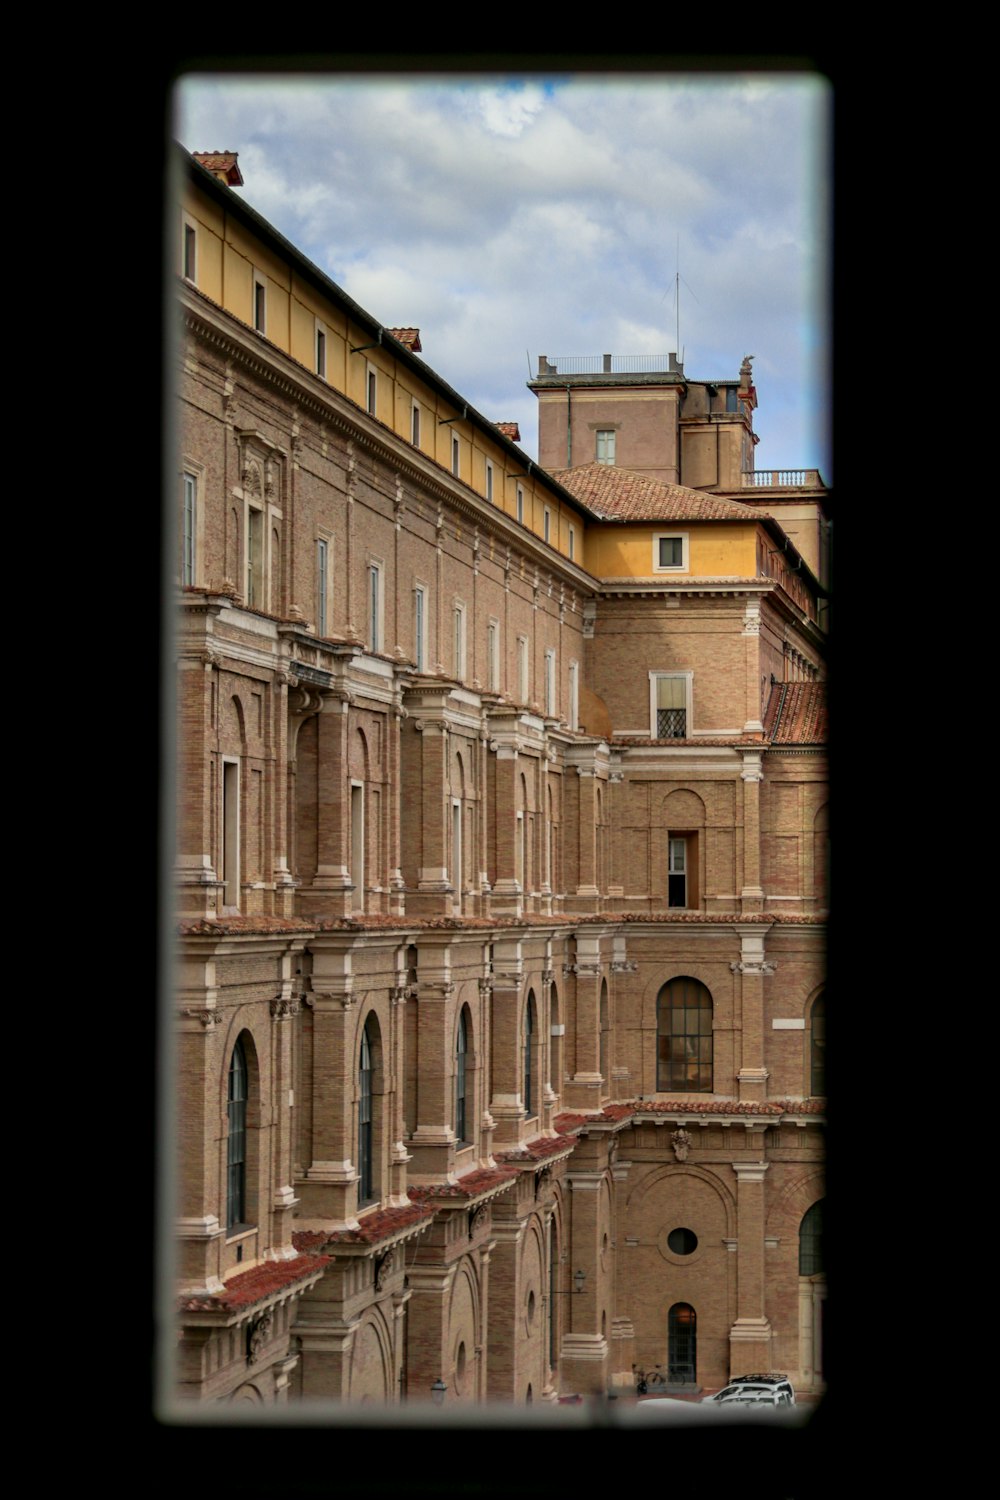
(682, 1345)
(812, 1297)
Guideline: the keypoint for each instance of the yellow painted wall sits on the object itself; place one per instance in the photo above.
(715, 550)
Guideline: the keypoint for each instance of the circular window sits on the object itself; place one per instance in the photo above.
(682, 1241)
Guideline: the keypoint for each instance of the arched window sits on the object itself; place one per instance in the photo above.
(529, 1047)
(682, 1348)
(811, 1241)
(365, 1133)
(461, 1099)
(236, 1183)
(684, 1038)
(817, 1047)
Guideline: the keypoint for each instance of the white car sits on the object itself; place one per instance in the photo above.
(755, 1390)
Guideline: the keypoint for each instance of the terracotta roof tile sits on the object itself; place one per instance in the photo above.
(221, 164)
(796, 714)
(536, 1150)
(471, 1185)
(373, 1228)
(410, 337)
(511, 430)
(623, 495)
(257, 1284)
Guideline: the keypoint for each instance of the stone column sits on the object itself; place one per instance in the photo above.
(507, 1042)
(587, 894)
(432, 1144)
(550, 1096)
(584, 1089)
(508, 896)
(397, 903)
(275, 785)
(199, 1193)
(584, 1353)
(434, 888)
(284, 1009)
(197, 786)
(751, 970)
(332, 881)
(327, 1187)
(505, 1307)
(752, 774)
(750, 1335)
(751, 639)
(622, 1329)
(399, 1157)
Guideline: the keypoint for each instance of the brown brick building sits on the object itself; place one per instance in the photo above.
(501, 852)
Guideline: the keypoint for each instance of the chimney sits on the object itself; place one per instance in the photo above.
(221, 164)
(409, 338)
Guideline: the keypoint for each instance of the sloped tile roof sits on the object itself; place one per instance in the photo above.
(222, 164)
(256, 1285)
(373, 1228)
(623, 495)
(410, 337)
(796, 714)
(471, 1185)
(511, 430)
(537, 1150)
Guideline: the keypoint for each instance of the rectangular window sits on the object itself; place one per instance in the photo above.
(230, 833)
(493, 655)
(677, 872)
(574, 695)
(415, 425)
(321, 353)
(322, 585)
(606, 447)
(259, 303)
(550, 684)
(572, 543)
(547, 524)
(670, 552)
(454, 454)
(358, 845)
(731, 398)
(371, 390)
(190, 253)
(375, 607)
(522, 669)
(670, 705)
(489, 481)
(520, 504)
(255, 557)
(189, 533)
(458, 624)
(420, 628)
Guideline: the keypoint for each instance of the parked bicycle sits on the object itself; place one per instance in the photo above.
(644, 1379)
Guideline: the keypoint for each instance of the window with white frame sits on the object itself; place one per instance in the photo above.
(670, 705)
(320, 350)
(415, 425)
(371, 390)
(574, 695)
(458, 640)
(322, 586)
(489, 481)
(550, 683)
(420, 627)
(606, 446)
(189, 529)
(547, 524)
(522, 669)
(189, 251)
(260, 301)
(455, 454)
(670, 552)
(677, 872)
(493, 655)
(520, 504)
(375, 606)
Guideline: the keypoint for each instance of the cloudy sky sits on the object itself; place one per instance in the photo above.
(508, 217)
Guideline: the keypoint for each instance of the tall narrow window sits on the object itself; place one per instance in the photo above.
(669, 695)
(189, 529)
(415, 425)
(461, 1102)
(456, 854)
(493, 655)
(458, 627)
(259, 304)
(236, 1144)
(374, 607)
(529, 1050)
(811, 1241)
(572, 543)
(682, 1347)
(489, 481)
(684, 1038)
(522, 669)
(321, 353)
(606, 447)
(190, 253)
(574, 695)
(322, 585)
(454, 454)
(366, 1176)
(550, 684)
(520, 504)
(677, 872)
(358, 844)
(371, 390)
(817, 1047)
(547, 524)
(420, 628)
(230, 833)
(255, 557)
